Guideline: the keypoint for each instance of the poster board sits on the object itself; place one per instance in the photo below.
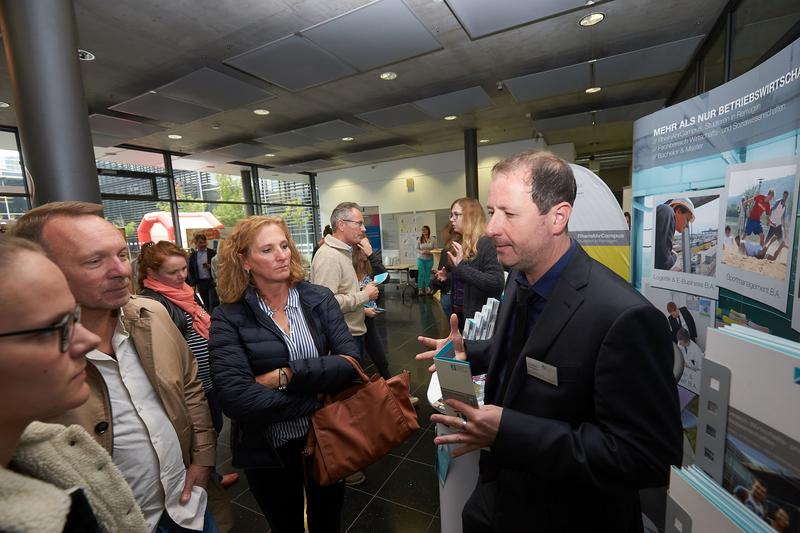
(740, 141)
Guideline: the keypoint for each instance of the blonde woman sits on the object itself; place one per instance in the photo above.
(476, 275)
(270, 345)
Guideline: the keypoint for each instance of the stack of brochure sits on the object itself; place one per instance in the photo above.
(747, 475)
(481, 326)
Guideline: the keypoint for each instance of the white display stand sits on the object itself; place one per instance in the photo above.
(462, 475)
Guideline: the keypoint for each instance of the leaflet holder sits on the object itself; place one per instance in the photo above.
(712, 426)
(677, 520)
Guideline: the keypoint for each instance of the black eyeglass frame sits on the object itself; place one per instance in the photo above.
(65, 328)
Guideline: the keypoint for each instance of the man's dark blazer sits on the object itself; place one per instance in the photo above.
(194, 268)
(572, 457)
(688, 323)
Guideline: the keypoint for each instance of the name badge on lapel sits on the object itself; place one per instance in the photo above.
(543, 371)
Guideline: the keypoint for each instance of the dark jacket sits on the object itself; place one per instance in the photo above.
(483, 277)
(244, 342)
(664, 257)
(175, 313)
(194, 268)
(688, 323)
(442, 286)
(574, 455)
(376, 262)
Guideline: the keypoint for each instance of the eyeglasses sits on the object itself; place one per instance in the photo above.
(359, 223)
(455, 215)
(65, 328)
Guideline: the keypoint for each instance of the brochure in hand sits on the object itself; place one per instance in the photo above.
(455, 378)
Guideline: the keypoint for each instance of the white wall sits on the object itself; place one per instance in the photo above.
(438, 179)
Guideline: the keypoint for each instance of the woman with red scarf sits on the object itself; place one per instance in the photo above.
(162, 273)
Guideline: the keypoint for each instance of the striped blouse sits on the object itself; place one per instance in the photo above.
(199, 347)
(301, 346)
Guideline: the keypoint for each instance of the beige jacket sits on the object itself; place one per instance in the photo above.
(172, 370)
(332, 267)
(48, 462)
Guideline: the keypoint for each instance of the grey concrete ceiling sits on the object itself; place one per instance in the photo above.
(149, 45)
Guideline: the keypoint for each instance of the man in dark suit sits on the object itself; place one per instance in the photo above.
(200, 275)
(680, 318)
(581, 407)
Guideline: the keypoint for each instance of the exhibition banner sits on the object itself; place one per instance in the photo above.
(733, 149)
(598, 224)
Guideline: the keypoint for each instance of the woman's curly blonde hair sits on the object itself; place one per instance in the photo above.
(233, 279)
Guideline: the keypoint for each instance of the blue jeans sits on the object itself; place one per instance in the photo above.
(447, 305)
(167, 525)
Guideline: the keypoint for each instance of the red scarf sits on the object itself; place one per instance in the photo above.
(183, 298)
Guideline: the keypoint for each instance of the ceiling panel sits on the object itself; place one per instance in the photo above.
(328, 131)
(159, 107)
(241, 151)
(317, 164)
(564, 80)
(287, 139)
(212, 89)
(119, 127)
(377, 34)
(292, 62)
(397, 115)
(455, 103)
(374, 154)
(105, 141)
(480, 18)
(645, 63)
(577, 120)
(628, 113)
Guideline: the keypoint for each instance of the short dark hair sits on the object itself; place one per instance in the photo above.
(550, 177)
(683, 335)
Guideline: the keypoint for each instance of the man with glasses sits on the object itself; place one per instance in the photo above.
(155, 424)
(332, 267)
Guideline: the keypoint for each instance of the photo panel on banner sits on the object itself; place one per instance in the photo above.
(685, 242)
(759, 208)
(693, 314)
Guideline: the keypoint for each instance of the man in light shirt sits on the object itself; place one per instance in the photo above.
(155, 423)
(776, 220)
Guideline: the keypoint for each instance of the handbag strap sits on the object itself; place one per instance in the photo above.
(357, 367)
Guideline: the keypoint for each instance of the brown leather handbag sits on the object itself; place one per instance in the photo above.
(358, 426)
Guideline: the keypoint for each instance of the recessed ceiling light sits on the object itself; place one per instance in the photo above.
(175, 136)
(261, 111)
(216, 126)
(347, 139)
(85, 55)
(269, 155)
(592, 90)
(5, 104)
(450, 117)
(591, 19)
(484, 141)
(388, 75)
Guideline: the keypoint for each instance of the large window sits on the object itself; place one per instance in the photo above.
(14, 198)
(747, 33)
(145, 193)
(290, 197)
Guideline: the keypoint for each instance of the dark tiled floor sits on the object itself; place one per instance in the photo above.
(401, 494)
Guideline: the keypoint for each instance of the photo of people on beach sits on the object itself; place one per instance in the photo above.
(757, 218)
